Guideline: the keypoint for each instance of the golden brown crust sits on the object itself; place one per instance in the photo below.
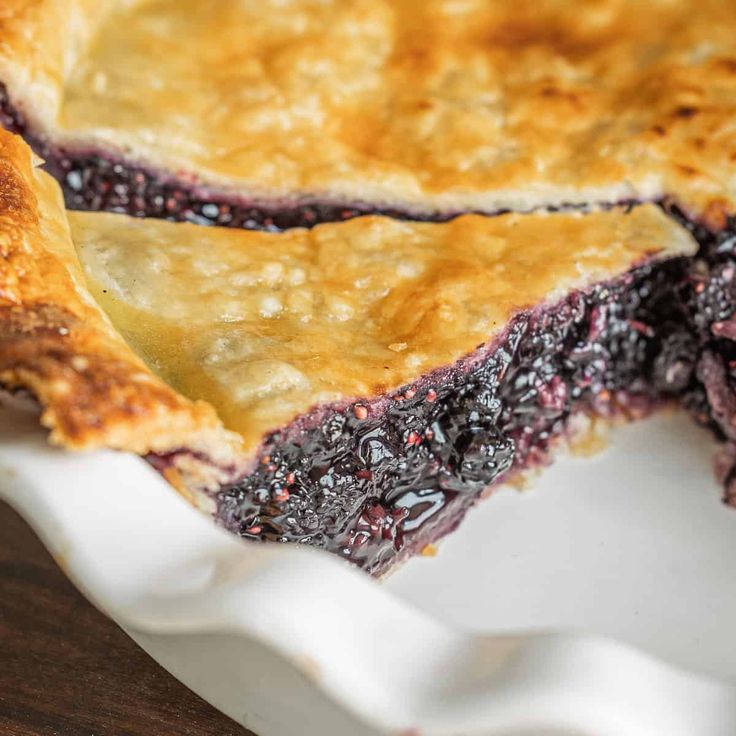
(55, 341)
(266, 325)
(415, 103)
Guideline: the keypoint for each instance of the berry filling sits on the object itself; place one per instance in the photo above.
(376, 481)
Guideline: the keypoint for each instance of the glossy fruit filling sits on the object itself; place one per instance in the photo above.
(377, 481)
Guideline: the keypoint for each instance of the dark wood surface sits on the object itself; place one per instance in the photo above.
(67, 670)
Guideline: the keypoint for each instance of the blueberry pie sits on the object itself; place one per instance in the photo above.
(447, 231)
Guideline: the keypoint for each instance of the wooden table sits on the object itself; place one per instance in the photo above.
(66, 670)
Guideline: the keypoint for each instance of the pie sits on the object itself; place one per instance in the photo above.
(449, 232)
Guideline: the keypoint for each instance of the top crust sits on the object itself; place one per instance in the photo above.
(266, 326)
(421, 104)
(56, 343)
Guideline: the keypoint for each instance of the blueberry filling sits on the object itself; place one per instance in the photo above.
(376, 481)
(91, 181)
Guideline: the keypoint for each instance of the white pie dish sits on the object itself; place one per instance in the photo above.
(290, 641)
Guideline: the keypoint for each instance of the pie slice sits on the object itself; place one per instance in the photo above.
(383, 375)
(272, 114)
(357, 386)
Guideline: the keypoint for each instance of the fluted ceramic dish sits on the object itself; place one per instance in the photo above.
(599, 603)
